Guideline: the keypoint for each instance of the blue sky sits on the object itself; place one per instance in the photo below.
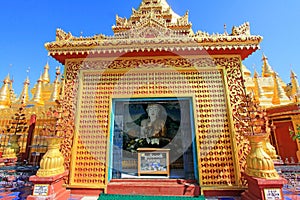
(27, 25)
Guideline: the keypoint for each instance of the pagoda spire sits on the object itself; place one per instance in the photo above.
(259, 96)
(267, 70)
(279, 97)
(257, 88)
(295, 87)
(37, 98)
(5, 100)
(13, 96)
(56, 87)
(45, 76)
(158, 12)
(24, 97)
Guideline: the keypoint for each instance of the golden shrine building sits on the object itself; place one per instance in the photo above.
(103, 102)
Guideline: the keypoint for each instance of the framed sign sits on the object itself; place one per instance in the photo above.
(41, 190)
(272, 194)
(153, 161)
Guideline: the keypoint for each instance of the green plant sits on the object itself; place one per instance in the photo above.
(295, 134)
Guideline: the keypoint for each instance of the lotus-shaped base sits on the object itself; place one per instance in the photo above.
(52, 162)
(259, 163)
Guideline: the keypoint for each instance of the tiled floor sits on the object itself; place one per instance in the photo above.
(291, 195)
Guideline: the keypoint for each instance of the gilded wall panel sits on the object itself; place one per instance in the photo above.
(199, 78)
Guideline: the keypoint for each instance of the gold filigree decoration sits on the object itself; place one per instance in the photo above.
(243, 29)
(177, 62)
(234, 80)
(68, 107)
(61, 35)
(235, 83)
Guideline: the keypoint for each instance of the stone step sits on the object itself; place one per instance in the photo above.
(155, 187)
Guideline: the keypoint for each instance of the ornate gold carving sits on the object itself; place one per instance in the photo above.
(153, 13)
(160, 63)
(243, 29)
(184, 20)
(61, 35)
(166, 40)
(68, 107)
(120, 21)
(235, 83)
(257, 128)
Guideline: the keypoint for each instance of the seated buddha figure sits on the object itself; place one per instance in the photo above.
(153, 128)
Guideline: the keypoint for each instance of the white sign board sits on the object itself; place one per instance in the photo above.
(273, 194)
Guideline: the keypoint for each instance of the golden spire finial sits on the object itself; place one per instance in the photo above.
(295, 87)
(279, 96)
(24, 97)
(266, 68)
(293, 75)
(225, 29)
(255, 74)
(56, 87)
(13, 96)
(6, 79)
(45, 76)
(246, 71)
(37, 98)
(258, 91)
(5, 100)
(256, 88)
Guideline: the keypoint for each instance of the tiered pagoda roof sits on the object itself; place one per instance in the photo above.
(268, 88)
(154, 27)
(153, 11)
(43, 93)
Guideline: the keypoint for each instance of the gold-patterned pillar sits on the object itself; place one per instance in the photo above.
(70, 88)
(236, 90)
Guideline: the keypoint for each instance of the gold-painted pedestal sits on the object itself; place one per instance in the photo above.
(259, 163)
(49, 180)
(263, 180)
(52, 162)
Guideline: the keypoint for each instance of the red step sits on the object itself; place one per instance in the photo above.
(162, 187)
